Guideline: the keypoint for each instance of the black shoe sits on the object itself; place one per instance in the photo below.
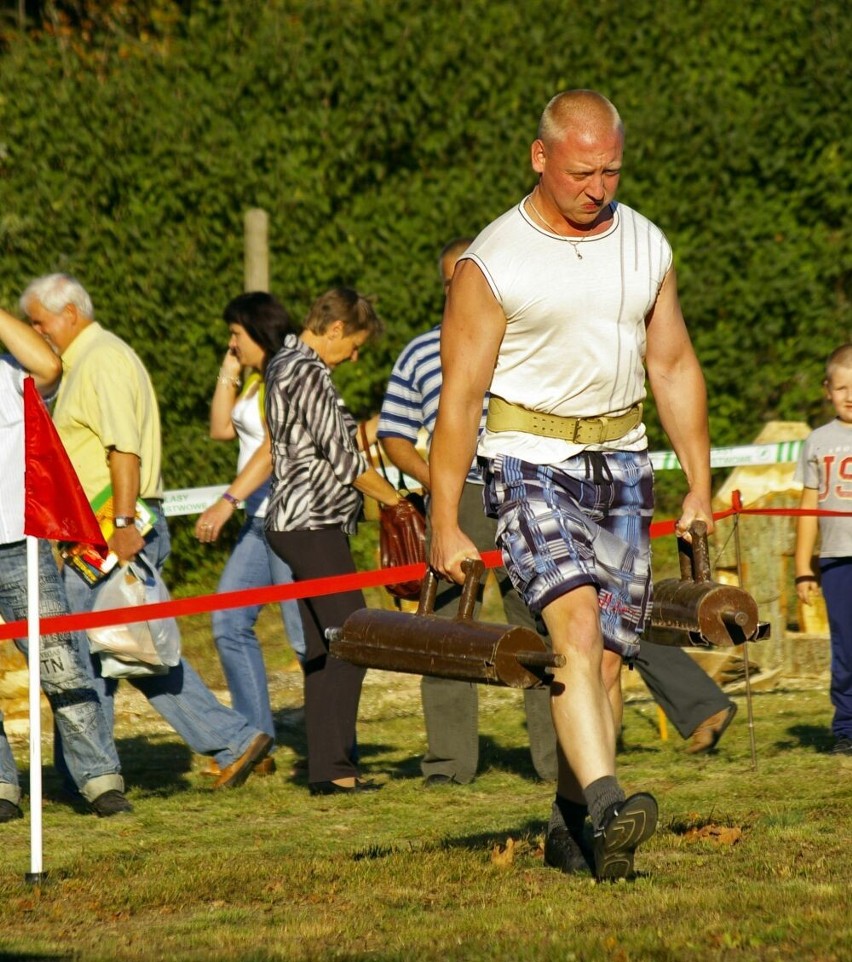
(438, 779)
(627, 824)
(562, 851)
(843, 746)
(332, 788)
(9, 811)
(110, 803)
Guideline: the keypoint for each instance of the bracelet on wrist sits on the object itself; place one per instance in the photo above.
(804, 579)
(234, 502)
(233, 381)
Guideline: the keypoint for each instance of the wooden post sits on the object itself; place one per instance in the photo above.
(256, 250)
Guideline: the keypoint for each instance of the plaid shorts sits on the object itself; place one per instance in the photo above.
(584, 521)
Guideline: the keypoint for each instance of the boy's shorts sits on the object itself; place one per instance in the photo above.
(584, 521)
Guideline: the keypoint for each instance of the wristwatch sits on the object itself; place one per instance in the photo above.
(125, 521)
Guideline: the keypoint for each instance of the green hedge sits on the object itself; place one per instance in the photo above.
(373, 132)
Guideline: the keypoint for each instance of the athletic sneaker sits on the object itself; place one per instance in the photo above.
(562, 851)
(626, 825)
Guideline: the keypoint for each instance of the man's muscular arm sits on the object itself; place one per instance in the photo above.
(681, 397)
(471, 333)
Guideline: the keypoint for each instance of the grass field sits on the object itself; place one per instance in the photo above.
(746, 864)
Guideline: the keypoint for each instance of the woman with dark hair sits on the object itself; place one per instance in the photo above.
(258, 325)
(318, 478)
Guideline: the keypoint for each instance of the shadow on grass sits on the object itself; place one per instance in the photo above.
(375, 754)
(625, 747)
(528, 832)
(150, 766)
(30, 957)
(155, 767)
(493, 756)
(815, 737)
(290, 732)
(517, 759)
(290, 729)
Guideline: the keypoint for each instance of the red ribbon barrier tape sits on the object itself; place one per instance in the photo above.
(298, 589)
(230, 599)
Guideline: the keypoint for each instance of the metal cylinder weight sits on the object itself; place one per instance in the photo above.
(458, 648)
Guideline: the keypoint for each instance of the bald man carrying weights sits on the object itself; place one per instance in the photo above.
(557, 309)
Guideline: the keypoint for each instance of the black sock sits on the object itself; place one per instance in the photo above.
(568, 814)
(600, 795)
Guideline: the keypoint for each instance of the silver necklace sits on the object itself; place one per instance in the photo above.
(574, 243)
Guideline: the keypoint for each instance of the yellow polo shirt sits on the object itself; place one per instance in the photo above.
(106, 400)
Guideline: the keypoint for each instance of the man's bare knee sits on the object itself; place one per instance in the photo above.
(573, 621)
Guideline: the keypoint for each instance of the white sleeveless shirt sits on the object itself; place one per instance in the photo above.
(247, 418)
(575, 323)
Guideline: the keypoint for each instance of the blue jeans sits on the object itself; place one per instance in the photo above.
(836, 578)
(180, 696)
(89, 750)
(253, 564)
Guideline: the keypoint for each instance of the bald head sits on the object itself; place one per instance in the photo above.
(580, 111)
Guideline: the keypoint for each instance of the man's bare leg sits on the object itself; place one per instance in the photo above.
(582, 714)
(612, 682)
(587, 709)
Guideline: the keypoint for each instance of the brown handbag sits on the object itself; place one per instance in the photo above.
(402, 541)
(402, 534)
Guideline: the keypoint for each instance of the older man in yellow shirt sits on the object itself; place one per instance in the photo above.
(107, 416)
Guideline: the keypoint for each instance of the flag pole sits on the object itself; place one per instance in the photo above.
(36, 874)
(55, 508)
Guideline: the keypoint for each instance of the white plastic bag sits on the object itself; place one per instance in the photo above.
(144, 647)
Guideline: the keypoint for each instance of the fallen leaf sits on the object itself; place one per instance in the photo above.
(721, 834)
(503, 856)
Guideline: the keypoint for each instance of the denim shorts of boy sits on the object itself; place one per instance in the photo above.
(583, 521)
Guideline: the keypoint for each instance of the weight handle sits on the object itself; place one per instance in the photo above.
(473, 569)
(694, 555)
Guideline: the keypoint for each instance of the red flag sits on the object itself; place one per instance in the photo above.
(56, 506)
